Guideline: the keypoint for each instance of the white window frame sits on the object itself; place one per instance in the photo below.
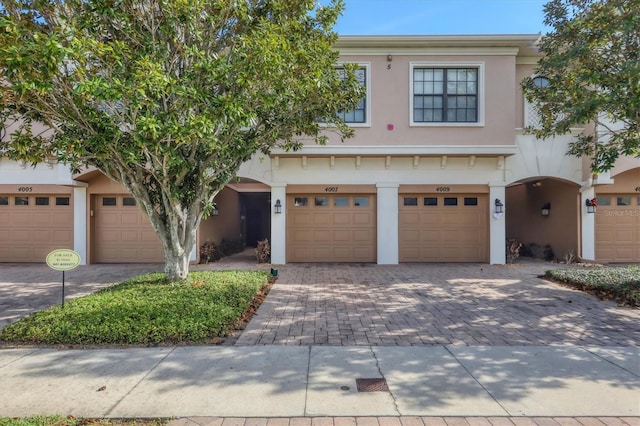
(367, 82)
(479, 65)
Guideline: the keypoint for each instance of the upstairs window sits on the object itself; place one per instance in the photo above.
(445, 95)
(360, 114)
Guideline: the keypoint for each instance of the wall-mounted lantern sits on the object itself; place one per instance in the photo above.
(546, 209)
(499, 206)
(591, 204)
(277, 208)
(215, 211)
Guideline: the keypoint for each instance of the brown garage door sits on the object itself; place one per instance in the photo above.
(618, 228)
(443, 228)
(33, 225)
(331, 228)
(122, 233)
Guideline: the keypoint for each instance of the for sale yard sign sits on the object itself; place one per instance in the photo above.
(63, 260)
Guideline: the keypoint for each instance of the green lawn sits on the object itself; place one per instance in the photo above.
(619, 284)
(72, 421)
(146, 310)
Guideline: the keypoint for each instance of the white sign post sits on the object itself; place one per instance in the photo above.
(63, 260)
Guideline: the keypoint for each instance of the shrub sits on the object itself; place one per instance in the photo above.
(209, 252)
(231, 245)
(513, 250)
(263, 251)
(146, 310)
(548, 253)
(619, 284)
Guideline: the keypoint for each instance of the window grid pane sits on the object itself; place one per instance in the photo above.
(361, 201)
(357, 115)
(450, 201)
(42, 201)
(4, 201)
(62, 201)
(21, 201)
(454, 102)
(410, 201)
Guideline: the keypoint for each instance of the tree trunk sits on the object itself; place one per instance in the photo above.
(176, 265)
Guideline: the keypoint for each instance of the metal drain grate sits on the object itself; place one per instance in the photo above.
(372, 385)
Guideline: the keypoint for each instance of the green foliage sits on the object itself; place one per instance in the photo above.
(145, 310)
(169, 97)
(619, 284)
(231, 245)
(74, 421)
(263, 251)
(592, 62)
(513, 250)
(210, 252)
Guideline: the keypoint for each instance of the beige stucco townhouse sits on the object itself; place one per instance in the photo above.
(440, 170)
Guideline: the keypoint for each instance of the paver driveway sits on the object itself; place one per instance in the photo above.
(351, 304)
(434, 304)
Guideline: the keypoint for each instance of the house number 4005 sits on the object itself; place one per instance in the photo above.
(25, 189)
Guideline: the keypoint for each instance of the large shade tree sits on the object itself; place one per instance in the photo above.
(169, 97)
(592, 65)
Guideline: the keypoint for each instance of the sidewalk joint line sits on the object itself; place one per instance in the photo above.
(306, 388)
(21, 357)
(507, 413)
(108, 413)
(610, 362)
(393, 397)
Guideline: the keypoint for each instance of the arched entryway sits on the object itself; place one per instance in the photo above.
(544, 215)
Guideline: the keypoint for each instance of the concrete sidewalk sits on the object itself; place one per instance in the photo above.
(311, 381)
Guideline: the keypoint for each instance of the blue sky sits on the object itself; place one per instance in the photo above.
(415, 17)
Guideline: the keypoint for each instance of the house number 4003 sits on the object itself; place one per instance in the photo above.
(443, 189)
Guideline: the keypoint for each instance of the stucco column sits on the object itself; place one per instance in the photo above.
(588, 225)
(497, 226)
(80, 222)
(387, 223)
(279, 225)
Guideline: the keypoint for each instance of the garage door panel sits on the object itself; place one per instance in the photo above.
(340, 235)
(320, 236)
(335, 233)
(301, 235)
(123, 234)
(410, 218)
(341, 219)
(29, 232)
(362, 219)
(443, 233)
(21, 218)
(300, 219)
(130, 219)
(618, 229)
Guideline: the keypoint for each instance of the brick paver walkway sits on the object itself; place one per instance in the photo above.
(408, 421)
(434, 304)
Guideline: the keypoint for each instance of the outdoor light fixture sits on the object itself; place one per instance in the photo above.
(277, 207)
(545, 209)
(499, 205)
(215, 211)
(591, 205)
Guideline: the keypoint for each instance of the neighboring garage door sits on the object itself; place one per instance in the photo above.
(122, 233)
(443, 228)
(618, 228)
(33, 225)
(331, 228)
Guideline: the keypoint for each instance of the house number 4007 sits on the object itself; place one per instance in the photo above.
(331, 189)
(637, 188)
